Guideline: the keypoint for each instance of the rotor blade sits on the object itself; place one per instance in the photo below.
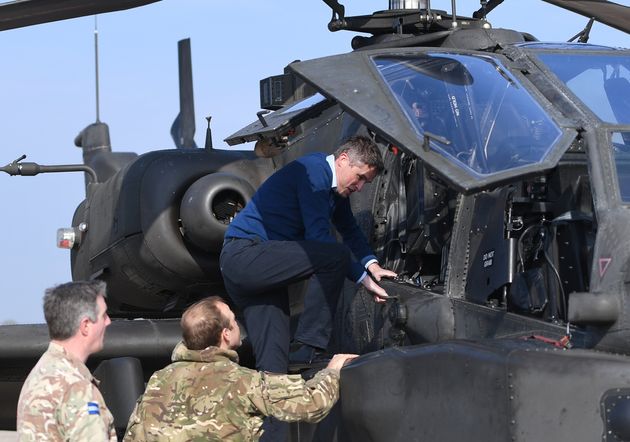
(608, 13)
(20, 13)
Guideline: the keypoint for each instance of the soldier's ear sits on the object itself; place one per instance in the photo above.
(225, 335)
(84, 326)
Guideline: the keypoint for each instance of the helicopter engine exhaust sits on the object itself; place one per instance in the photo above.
(155, 228)
(209, 205)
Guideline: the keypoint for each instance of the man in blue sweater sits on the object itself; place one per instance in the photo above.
(283, 235)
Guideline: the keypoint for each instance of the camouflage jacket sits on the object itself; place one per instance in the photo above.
(206, 395)
(59, 401)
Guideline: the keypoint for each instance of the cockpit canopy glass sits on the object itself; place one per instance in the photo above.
(601, 81)
(303, 104)
(621, 150)
(568, 46)
(470, 110)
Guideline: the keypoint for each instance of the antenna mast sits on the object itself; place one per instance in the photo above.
(98, 116)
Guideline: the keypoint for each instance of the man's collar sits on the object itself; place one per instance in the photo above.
(331, 162)
(209, 354)
(55, 347)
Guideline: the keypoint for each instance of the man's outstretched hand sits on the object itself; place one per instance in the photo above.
(339, 360)
(378, 273)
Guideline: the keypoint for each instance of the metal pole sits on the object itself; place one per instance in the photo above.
(454, 13)
(98, 113)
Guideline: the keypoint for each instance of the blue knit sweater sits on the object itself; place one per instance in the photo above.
(297, 203)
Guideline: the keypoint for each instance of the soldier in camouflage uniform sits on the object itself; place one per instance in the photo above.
(59, 400)
(205, 395)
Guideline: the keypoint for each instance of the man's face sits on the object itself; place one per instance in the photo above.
(233, 332)
(97, 328)
(352, 176)
(420, 110)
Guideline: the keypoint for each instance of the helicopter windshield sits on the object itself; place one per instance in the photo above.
(601, 81)
(470, 109)
(621, 150)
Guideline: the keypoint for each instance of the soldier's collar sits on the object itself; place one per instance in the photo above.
(80, 366)
(212, 354)
(209, 354)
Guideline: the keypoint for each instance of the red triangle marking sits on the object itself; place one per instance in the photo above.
(603, 266)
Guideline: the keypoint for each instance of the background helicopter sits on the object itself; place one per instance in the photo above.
(376, 363)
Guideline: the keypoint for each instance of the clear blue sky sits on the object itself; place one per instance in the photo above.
(47, 97)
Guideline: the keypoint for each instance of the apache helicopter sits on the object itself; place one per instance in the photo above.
(502, 208)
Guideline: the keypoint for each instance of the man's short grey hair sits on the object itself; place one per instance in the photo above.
(362, 150)
(67, 304)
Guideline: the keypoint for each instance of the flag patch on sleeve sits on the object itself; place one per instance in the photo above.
(92, 408)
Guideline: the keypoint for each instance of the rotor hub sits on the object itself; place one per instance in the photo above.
(408, 4)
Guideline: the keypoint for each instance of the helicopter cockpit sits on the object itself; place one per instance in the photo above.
(483, 125)
(599, 78)
(492, 123)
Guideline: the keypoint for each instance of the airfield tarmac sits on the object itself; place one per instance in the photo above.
(8, 436)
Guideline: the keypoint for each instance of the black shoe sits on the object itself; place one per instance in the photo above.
(306, 355)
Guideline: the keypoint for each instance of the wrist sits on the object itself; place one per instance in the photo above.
(369, 263)
(373, 267)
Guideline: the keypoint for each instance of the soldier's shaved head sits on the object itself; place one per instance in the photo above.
(67, 304)
(203, 322)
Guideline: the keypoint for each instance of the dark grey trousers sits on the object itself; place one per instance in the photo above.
(256, 276)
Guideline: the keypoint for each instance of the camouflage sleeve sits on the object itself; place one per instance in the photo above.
(289, 398)
(83, 414)
(133, 431)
